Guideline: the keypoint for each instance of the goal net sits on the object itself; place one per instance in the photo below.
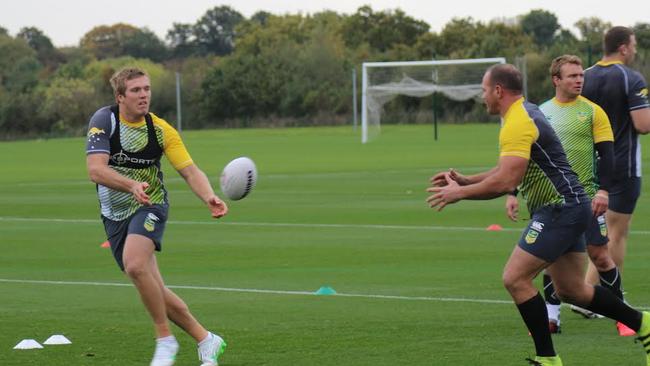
(458, 80)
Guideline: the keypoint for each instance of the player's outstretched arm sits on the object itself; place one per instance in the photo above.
(100, 173)
(439, 180)
(505, 179)
(200, 185)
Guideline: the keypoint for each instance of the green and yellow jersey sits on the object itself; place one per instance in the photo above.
(579, 125)
(548, 179)
(133, 154)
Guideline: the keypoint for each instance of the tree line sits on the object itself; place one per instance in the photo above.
(267, 70)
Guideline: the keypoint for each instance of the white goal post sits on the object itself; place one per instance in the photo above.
(383, 81)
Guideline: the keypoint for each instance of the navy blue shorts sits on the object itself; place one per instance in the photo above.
(147, 221)
(624, 194)
(597, 231)
(555, 230)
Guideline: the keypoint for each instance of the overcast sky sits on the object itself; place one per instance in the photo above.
(66, 21)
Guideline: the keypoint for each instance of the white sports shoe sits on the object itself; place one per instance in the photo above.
(165, 353)
(210, 349)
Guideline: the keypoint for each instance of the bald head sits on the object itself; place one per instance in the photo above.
(505, 75)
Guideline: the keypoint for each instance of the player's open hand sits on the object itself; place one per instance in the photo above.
(138, 191)
(599, 203)
(217, 207)
(512, 207)
(439, 179)
(444, 194)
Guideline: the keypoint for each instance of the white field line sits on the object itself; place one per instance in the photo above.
(260, 291)
(276, 292)
(287, 224)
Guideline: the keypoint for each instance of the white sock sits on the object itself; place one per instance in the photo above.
(553, 313)
(206, 339)
(169, 338)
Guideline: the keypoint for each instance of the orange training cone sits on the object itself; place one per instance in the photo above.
(494, 227)
(106, 244)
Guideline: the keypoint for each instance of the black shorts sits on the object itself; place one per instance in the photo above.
(555, 230)
(147, 221)
(597, 231)
(624, 194)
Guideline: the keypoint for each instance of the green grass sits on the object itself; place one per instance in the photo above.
(327, 210)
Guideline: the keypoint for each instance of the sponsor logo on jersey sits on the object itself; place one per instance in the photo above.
(122, 158)
(95, 131)
(582, 116)
(150, 222)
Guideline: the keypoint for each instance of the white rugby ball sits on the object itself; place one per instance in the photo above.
(238, 178)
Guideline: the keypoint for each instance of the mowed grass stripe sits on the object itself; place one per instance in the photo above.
(288, 224)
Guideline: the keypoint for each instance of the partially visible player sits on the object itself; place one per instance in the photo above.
(531, 157)
(123, 152)
(583, 129)
(623, 95)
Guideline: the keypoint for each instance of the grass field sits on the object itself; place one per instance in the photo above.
(327, 211)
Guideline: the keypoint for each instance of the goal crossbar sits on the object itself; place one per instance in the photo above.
(377, 94)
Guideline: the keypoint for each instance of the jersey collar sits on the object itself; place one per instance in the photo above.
(132, 124)
(565, 104)
(518, 102)
(608, 63)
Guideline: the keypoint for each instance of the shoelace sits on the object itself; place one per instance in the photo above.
(533, 362)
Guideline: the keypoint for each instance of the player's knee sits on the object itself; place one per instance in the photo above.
(134, 269)
(511, 283)
(601, 260)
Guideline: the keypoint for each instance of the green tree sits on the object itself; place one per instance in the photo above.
(76, 60)
(19, 67)
(124, 40)
(45, 52)
(215, 32)
(261, 17)
(458, 39)
(293, 67)
(382, 30)
(145, 44)
(108, 41)
(182, 40)
(99, 72)
(68, 104)
(501, 40)
(642, 35)
(591, 34)
(542, 25)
